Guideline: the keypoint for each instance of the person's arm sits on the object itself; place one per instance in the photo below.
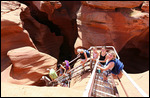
(109, 66)
(78, 55)
(85, 56)
(96, 55)
(63, 68)
(102, 61)
(68, 69)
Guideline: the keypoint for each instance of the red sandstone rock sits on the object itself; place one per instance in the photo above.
(29, 65)
(64, 18)
(12, 36)
(49, 7)
(145, 6)
(8, 6)
(113, 4)
(107, 27)
(113, 26)
(41, 35)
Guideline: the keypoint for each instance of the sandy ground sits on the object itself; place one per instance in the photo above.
(13, 90)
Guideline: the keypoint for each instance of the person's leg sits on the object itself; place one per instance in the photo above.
(91, 64)
(69, 74)
(105, 75)
(100, 64)
(82, 63)
(94, 61)
(61, 72)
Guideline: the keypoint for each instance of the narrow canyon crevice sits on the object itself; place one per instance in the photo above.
(63, 23)
(42, 17)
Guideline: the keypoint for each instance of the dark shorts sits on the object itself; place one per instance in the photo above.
(61, 71)
(101, 64)
(106, 73)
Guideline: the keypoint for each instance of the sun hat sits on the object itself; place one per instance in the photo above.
(79, 50)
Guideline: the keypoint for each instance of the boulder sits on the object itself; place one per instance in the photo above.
(29, 65)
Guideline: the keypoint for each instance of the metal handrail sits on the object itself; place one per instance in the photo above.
(130, 79)
(91, 80)
(135, 85)
(87, 90)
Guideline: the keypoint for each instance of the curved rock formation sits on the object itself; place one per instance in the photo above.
(110, 27)
(12, 36)
(29, 65)
(41, 17)
(41, 35)
(9, 6)
(63, 16)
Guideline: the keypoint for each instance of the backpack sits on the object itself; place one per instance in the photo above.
(67, 64)
(52, 74)
(87, 53)
(118, 66)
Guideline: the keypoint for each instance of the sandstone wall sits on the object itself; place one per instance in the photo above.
(111, 22)
(122, 24)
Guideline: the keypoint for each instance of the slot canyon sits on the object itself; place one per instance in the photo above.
(36, 35)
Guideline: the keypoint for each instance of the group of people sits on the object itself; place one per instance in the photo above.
(106, 62)
(63, 69)
(101, 55)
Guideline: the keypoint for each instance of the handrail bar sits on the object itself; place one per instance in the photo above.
(131, 80)
(135, 85)
(106, 47)
(89, 85)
